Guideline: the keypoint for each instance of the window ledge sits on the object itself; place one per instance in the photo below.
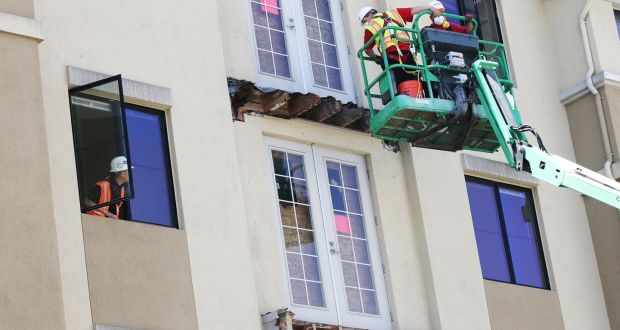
(136, 92)
(487, 168)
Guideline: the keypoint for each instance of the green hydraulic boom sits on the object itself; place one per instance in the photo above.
(490, 120)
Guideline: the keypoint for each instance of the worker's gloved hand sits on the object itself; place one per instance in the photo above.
(469, 17)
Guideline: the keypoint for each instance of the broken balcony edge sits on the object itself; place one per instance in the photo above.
(246, 97)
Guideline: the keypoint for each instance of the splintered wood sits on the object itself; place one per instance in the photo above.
(246, 97)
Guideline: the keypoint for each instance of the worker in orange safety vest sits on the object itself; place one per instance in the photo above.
(397, 52)
(109, 189)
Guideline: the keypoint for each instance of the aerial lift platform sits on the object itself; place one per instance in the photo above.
(467, 104)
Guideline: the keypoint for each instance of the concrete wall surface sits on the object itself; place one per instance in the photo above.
(30, 288)
(138, 275)
(519, 307)
(18, 7)
(603, 221)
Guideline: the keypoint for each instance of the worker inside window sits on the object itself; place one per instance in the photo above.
(113, 187)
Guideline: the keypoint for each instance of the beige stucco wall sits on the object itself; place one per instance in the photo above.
(437, 190)
(604, 221)
(567, 48)
(610, 97)
(18, 7)
(586, 132)
(233, 250)
(138, 275)
(605, 36)
(167, 44)
(520, 307)
(30, 288)
(605, 228)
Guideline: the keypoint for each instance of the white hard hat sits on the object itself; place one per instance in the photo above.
(118, 164)
(438, 5)
(363, 12)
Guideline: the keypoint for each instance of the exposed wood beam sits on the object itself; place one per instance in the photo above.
(327, 109)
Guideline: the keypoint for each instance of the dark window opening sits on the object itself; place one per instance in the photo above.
(507, 233)
(484, 11)
(99, 133)
(617, 16)
(137, 187)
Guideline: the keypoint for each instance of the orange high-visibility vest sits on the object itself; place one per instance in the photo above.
(378, 22)
(104, 197)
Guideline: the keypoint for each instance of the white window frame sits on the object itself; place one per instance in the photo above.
(302, 79)
(335, 311)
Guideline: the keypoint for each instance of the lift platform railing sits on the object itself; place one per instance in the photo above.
(492, 51)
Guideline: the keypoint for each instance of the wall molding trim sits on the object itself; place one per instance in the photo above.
(21, 26)
(603, 78)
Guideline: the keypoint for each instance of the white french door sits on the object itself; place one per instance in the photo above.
(301, 46)
(329, 241)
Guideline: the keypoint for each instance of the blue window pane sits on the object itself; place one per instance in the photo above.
(154, 201)
(492, 256)
(452, 7)
(488, 232)
(522, 239)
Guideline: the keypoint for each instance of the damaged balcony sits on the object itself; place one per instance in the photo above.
(246, 97)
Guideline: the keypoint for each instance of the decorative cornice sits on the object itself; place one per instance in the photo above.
(604, 78)
(21, 26)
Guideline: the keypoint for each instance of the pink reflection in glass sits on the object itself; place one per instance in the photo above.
(268, 6)
(342, 223)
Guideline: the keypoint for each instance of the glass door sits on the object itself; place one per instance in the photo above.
(301, 46)
(328, 236)
(352, 239)
(326, 65)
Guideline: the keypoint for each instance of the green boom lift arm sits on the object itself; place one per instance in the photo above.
(498, 126)
(525, 157)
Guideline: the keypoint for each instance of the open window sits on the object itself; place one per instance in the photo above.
(106, 129)
(99, 135)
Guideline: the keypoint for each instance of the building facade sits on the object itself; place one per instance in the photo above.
(245, 215)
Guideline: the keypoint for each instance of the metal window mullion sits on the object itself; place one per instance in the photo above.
(273, 59)
(541, 255)
(78, 89)
(350, 237)
(303, 268)
(502, 221)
